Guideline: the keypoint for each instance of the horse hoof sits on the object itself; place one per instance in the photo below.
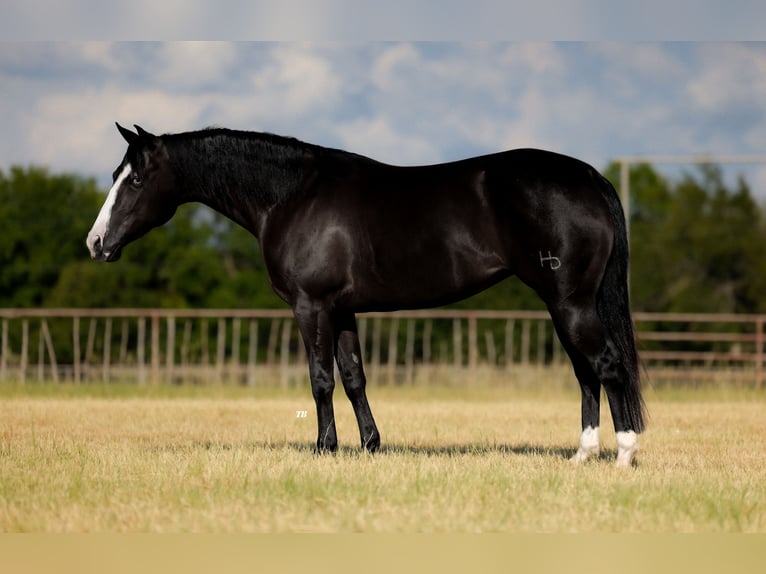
(582, 455)
(371, 443)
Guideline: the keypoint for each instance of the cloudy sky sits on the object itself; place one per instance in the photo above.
(400, 102)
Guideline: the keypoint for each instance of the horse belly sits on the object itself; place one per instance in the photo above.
(419, 273)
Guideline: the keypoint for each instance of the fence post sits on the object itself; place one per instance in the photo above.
(375, 361)
(509, 329)
(89, 345)
(41, 355)
(45, 332)
(24, 349)
(155, 376)
(185, 342)
(252, 352)
(220, 358)
(141, 351)
(170, 348)
(409, 350)
(76, 349)
(236, 335)
(393, 338)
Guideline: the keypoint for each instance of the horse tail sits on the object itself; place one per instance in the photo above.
(613, 308)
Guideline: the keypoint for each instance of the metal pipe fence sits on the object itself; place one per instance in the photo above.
(250, 347)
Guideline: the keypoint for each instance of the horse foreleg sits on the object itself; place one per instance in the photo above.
(349, 358)
(316, 329)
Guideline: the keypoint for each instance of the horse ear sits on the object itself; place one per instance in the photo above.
(143, 133)
(129, 136)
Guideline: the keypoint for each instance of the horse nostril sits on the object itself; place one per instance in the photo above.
(97, 247)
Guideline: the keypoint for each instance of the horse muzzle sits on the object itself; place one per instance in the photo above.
(97, 252)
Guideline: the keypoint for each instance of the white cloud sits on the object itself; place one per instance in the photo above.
(461, 94)
(402, 103)
(295, 80)
(538, 57)
(75, 131)
(732, 74)
(377, 138)
(195, 64)
(99, 53)
(386, 71)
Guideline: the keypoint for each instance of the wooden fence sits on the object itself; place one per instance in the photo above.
(255, 346)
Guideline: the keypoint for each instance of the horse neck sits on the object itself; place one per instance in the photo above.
(240, 175)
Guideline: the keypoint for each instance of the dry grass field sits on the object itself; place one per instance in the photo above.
(190, 459)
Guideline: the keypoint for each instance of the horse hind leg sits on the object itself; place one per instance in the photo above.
(590, 389)
(597, 363)
(613, 374)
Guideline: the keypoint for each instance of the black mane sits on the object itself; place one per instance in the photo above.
(218, 164)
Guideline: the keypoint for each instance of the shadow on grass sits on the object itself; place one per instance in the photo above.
(445, 451)
(452, 450)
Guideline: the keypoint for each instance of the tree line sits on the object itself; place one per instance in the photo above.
(696, 246)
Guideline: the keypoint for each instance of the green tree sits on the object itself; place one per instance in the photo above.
(44, 219)
(695, 243)
(172, 266)
(651, 197)
(198, 259)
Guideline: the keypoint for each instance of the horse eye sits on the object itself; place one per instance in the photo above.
(136, 180)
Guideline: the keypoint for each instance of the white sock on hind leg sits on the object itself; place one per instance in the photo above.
(627, 445)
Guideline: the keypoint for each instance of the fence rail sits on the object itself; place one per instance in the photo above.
(251, 346)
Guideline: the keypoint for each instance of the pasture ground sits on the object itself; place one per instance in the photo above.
(116, 459)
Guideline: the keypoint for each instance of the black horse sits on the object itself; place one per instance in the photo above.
(341, 233)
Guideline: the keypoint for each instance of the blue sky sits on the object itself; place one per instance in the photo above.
(400, 102)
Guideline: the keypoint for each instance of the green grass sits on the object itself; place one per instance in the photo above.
(223, 459)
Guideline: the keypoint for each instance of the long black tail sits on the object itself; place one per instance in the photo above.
(613, 307)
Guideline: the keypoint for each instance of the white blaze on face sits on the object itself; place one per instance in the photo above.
(101, 226)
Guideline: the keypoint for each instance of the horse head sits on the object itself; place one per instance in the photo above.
(142, 196)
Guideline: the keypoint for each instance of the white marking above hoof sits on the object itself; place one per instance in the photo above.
(627, 445)
(589, 445)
